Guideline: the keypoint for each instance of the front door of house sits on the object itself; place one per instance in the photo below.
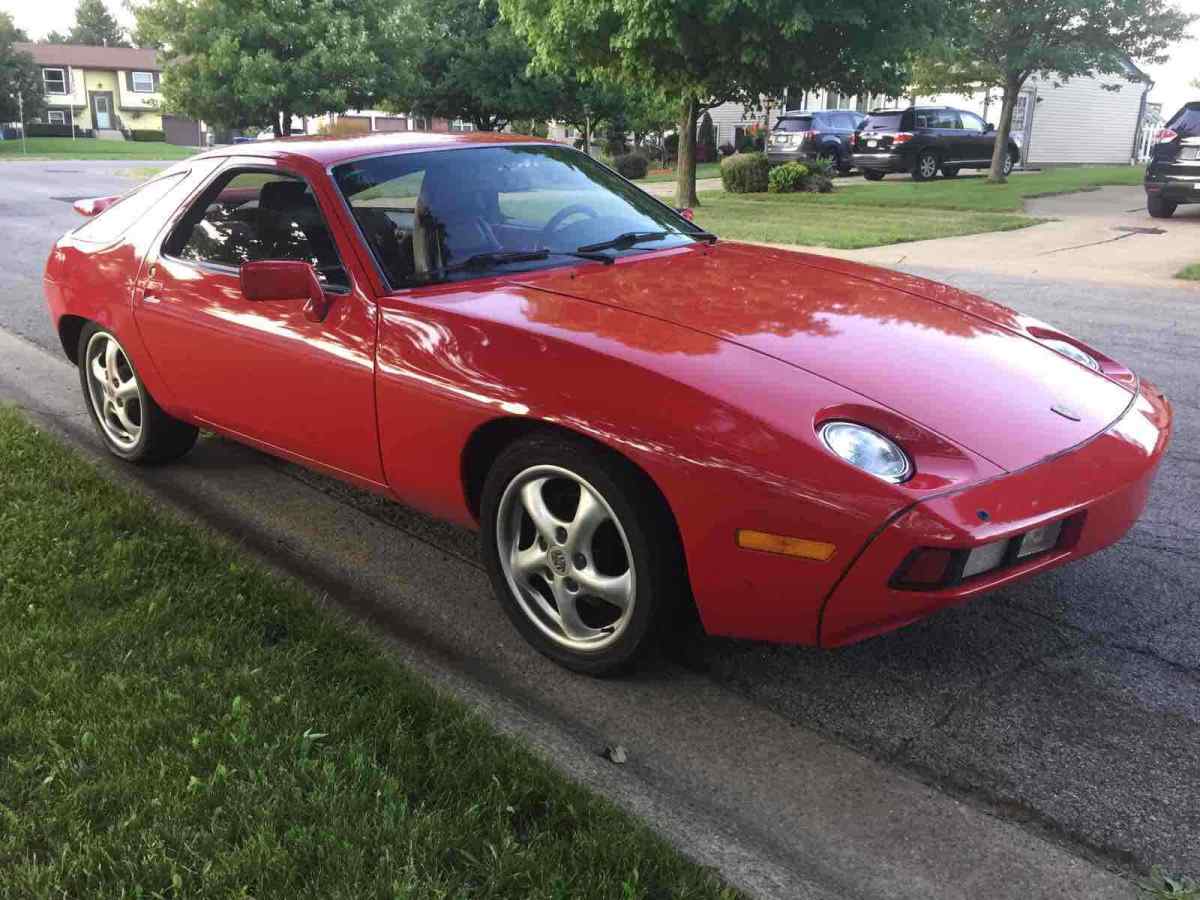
(103, 105)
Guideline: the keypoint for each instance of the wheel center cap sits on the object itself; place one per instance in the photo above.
(558, 561)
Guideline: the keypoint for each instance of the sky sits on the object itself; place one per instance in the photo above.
(1171, 79)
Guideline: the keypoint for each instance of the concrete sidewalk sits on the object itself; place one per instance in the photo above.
(777, 809)
(1103, 236)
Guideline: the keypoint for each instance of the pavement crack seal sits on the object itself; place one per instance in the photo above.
(1126, 231)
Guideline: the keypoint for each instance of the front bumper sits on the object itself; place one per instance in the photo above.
(1100, 486)
(881, 162)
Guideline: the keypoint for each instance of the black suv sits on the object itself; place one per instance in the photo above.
(923, 139)
(803, 135)
(1173, 175)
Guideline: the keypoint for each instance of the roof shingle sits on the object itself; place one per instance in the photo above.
(88, 57)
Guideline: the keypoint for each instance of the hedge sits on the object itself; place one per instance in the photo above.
(745, 173)
(146, 134)
(45, 129)
(632, 165)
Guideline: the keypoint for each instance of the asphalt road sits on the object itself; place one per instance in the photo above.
(1069, 704)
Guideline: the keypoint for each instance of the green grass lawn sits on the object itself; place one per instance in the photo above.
(703, 170)
(93, 148)
(179, 722)
(791, 219)
(973, 193)
(1189, 273)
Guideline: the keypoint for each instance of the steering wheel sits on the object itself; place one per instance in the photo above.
(556, 220)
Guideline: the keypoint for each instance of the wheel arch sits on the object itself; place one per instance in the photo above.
(70, 327)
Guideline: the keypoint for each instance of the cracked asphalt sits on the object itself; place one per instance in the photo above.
(1069, 704)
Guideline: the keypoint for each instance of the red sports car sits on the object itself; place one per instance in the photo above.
(638, 417)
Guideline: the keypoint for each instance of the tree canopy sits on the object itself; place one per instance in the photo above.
(999, 43)
(19, 75)
(259, 62)
(94, 24)
(704, 53)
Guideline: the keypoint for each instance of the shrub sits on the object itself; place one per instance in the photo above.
(632, 165)
(45, 129)
(822, 166)
(726, 149)
(788, 178)
(745, 173)
(343, 128)
(819, 184)
(671, 143)
(146, 134)
(706, 143)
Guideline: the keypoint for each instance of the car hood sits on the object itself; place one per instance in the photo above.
(955, 363)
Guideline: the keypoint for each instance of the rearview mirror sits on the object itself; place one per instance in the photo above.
(285, 279)
(93, 206)
(988, 127)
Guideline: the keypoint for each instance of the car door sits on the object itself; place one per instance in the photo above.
(945, 125)
(264, 370)
(977, 140)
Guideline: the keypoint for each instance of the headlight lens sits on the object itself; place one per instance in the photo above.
(868, 450)
(1068, 349)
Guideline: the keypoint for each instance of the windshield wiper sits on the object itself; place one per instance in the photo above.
(630, 238)
(499, 258)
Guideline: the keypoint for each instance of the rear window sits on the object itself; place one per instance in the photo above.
(1186, 122)
(794, 123)
(884, 121)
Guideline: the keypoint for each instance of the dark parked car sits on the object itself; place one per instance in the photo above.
(1173, 175)
(804, 135)
(923, 139)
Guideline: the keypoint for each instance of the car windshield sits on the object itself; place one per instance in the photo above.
(1186, 122)
(887, 121)
(795, 123)
(447, 215)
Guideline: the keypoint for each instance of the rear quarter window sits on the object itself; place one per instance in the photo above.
(117, 219)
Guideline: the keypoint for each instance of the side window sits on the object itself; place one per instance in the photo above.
(253, 214)
(115, 221)
(945, 118)
(972, 122)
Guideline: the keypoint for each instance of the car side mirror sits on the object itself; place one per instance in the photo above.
(285, 279)
(988, 127)
(93, 206)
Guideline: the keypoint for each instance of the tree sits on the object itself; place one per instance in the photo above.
(470, 66)
(94, 24)
(237, 63)
(703, 53)
(19, 75)
(54, 37)
(1000, 45)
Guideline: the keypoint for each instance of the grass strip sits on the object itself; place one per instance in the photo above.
(1189, 273)
(180, 722)
(91, 148)
(791, 219)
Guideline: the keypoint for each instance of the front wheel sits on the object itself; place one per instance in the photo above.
(1160, 208)
(579, 553)
(872, 175)
(130, 423)
(926, 166)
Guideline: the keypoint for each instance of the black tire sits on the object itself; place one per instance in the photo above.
(873, 174)
(1160, 208)
(950, 171)
(1010, 163)
(161, 438)
(659, 577)
(925, 166)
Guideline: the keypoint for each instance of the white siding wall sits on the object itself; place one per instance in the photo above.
(730, 116)
(1080, 122)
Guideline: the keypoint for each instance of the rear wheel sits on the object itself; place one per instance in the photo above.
(581, 556)
(1009, 163)
(1160, 208)
(130, 423)
(872, 175)
(926, 166)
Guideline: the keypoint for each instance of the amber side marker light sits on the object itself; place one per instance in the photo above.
(786, 546)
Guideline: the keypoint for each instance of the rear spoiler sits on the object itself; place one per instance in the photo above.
(93, 206)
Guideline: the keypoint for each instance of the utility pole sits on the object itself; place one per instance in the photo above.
(21, 116)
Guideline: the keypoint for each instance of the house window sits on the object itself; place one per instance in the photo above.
(143, 82)
(55, 80)
(460, 125)
(56, 117)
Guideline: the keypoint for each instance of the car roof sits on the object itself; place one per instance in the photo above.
(333, 150)
(813, 112)
(893, 111)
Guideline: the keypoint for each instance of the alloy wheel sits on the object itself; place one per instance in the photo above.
(113, 390)
(566, 558)
(929, 165)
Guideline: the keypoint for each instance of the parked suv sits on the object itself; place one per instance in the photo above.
(803, 135)
(1173, 175)
(924, 139)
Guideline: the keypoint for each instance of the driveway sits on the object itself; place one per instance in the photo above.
(1066, 708)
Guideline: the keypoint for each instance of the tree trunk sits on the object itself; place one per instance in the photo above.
(275, 126)
(1012, 87)
(287, 123)
(685, 165)
(587, 133)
